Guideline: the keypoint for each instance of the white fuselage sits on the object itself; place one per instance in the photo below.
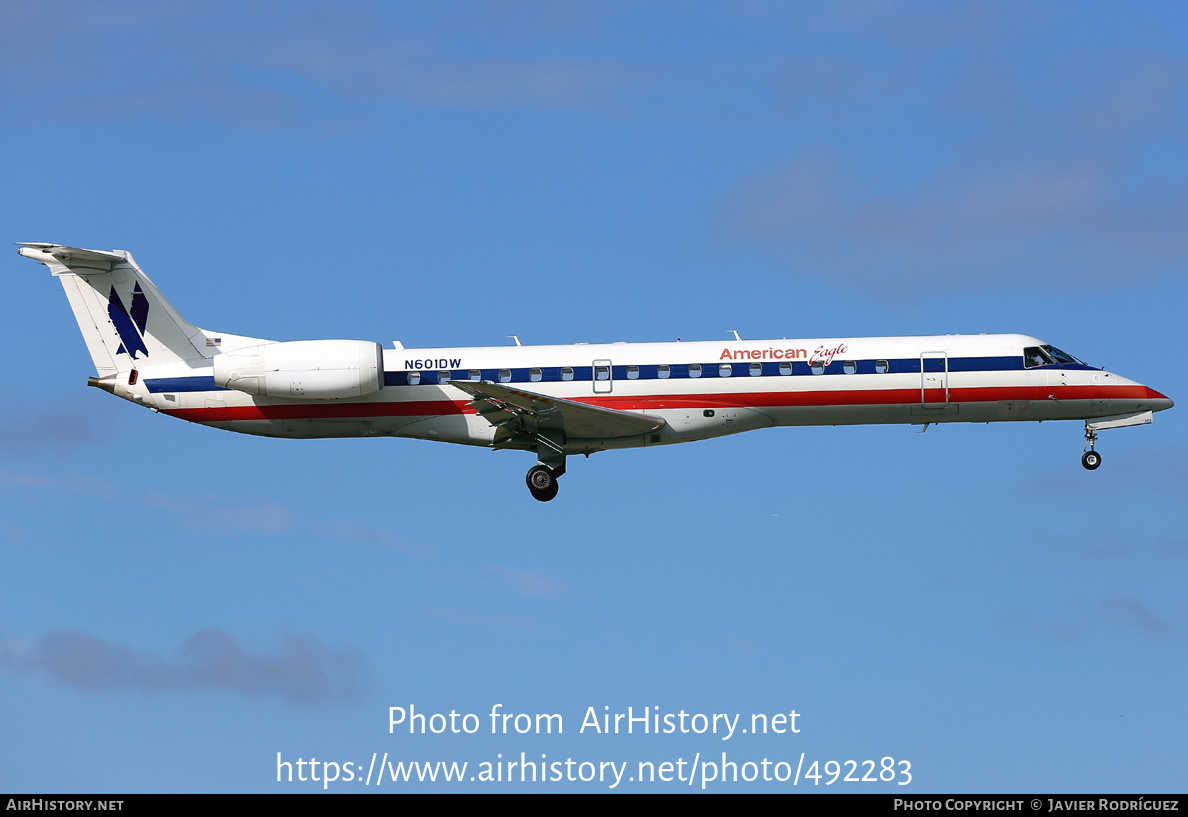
(700, 389)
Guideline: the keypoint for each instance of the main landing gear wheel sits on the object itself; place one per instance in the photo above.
(1091, 459)
(542, 482)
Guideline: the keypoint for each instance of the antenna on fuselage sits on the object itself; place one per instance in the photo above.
(516, 338)
(736, 337)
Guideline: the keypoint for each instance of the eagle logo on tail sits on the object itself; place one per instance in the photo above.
(129, 324)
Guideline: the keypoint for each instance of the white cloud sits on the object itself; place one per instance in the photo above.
(303, 672)
(533, 583)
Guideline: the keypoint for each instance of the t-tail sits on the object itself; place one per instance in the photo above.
(574, 399)
(125, 321)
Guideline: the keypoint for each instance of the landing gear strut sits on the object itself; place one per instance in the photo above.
(542, 482)
(550, 465)
(1090, 459)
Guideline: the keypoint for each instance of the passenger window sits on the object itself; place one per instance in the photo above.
(662, 371)
(505, 375)
(475, 375)
(849, 366)
(725, 370)
(633, 373)
(414, 378)
(534, 375)
(602, 373)
(785, 367)
(443, 377)
(567, 373)
(756, 369)
(818, 367)
(694, 370)
(882, 367)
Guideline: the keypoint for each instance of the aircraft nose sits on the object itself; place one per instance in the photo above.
(1159, 402)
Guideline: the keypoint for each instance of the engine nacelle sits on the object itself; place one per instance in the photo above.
(304, 369)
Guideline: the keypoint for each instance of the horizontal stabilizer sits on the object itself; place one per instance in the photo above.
(70, 258)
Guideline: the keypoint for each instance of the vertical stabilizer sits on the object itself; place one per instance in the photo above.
(124, 319)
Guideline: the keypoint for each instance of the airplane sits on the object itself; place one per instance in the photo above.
(558, 401)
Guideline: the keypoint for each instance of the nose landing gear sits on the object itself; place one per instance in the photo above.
(1090, 459)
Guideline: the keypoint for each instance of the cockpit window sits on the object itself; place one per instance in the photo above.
(1047, 355)
(1035, 356)
(1061, 357)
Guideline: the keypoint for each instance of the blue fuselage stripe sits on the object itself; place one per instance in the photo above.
(178, 384)
(768, 368)
(677, 371)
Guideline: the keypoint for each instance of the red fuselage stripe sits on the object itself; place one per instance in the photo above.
(786, 399)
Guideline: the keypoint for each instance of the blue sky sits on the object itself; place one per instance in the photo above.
(178, 604)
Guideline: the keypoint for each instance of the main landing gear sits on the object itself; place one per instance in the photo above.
(550, 465)
(542, 482)
(1090, 459)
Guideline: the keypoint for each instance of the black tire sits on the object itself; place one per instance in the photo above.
(540, 477)
(542, 482)
(546, 495)
(1091, 460)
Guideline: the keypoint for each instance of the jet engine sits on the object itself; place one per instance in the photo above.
(304, 369)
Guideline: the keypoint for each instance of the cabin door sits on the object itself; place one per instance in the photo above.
(934, 379)
(603, 376)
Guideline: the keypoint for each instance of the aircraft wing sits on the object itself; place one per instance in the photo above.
(501, 405)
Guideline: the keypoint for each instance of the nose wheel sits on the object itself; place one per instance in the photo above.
(542, 482)
(1090, 459)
